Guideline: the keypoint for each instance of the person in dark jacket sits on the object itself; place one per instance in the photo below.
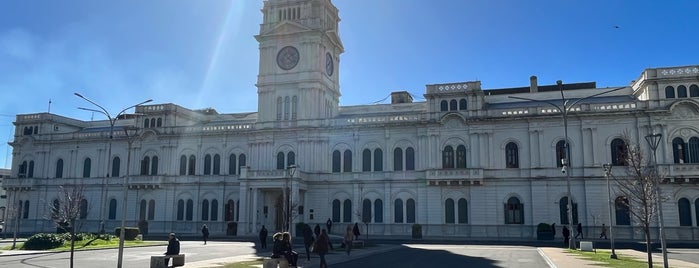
(263, 237)
(321, 247)
(329, 224)
(173, 247)
(282, 247)
(316, 230)
(566, 235)
(553, 228)
(307, 240)
(205, 233)
(355, 231)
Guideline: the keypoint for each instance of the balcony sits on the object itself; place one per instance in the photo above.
(455, 177)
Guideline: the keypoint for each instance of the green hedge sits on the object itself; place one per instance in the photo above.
(130, 234)
(43, 241)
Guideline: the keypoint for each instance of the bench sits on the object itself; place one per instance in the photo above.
(586, 246)
(357, 243)
(275, 262)
(161, 261)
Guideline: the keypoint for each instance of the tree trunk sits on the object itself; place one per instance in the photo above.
(648, 247)
(72, 242)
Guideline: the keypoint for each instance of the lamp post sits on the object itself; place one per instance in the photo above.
(112, 121)
(564, 108)
(607, 174)
(291, 170)
(653, 141)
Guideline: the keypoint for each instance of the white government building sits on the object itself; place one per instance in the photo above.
(467, 162)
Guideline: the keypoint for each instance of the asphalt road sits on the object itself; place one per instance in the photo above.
(416, 255)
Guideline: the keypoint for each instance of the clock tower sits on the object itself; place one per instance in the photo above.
(300, 49)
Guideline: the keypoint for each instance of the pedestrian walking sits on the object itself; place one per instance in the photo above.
(307, 240)
(566, 235)
(205, 233)
(603, 234)
(263, 237)
(355, 231)
(348, 239)
(579, 231)
(553, 228)
(329, 225)
(321, 247)
(316, 230)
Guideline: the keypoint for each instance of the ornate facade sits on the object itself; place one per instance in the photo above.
(467, 161)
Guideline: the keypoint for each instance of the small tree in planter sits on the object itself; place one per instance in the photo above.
(417, 231)
(544, 231)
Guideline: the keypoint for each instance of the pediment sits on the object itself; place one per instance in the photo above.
(684, 110)
(286, 27)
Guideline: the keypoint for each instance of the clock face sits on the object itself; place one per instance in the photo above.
(329, 68)
(288, 57)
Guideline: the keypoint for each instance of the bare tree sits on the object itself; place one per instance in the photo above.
(638, 186)
(66, 211)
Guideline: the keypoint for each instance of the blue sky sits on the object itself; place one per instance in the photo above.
(201, 54)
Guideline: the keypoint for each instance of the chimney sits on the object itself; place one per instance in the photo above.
(401, 97)
(533, 87)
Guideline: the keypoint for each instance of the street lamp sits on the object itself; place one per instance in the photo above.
(291, 170)
(653, 141)
(607, 173)
(112, 121)
(564, 108)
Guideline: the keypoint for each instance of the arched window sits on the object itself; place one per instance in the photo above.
(59, 168)
(452, 105)
(679, 152)
(693, 150)
(397, 159)
(514, 211)
(511, 155)
(25, 211)
(232, 163)
(241, 163)
(192, 165)
(561, 153)
(449, 211)
(366, 160)
(142, 210)
(378, 211)
(694, 91)
(347, 161)
(409, 158)
(83, 209)
(286, 108)
(618, 152)
(205, 210)
(336, 210)
(214, 210)
(669, 92)
(336, 162)
(30, 170)
(87, 166)
(462, 104)
(448, 157)
(366, 210)
(290, 158)
(151, 210)
(230, 211)
(463, 210)
(696, 210)
(112, 209)
(681, 92)
(160, 122)
(146, 123)
(154, 166)
(279, 108)
(461, 156)
(116, 166)
(347, 211)
(410, 210)
(183, 165)
(398, 211)
(623, 214)
(280, 160)
(563, 210)
(685, 212)
(189, 210)
(145, 162)
(444, 106)
(180, 210)
(378, 159)
(207, 164)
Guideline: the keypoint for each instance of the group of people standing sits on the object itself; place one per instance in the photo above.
(579, 232)
(315, 240)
